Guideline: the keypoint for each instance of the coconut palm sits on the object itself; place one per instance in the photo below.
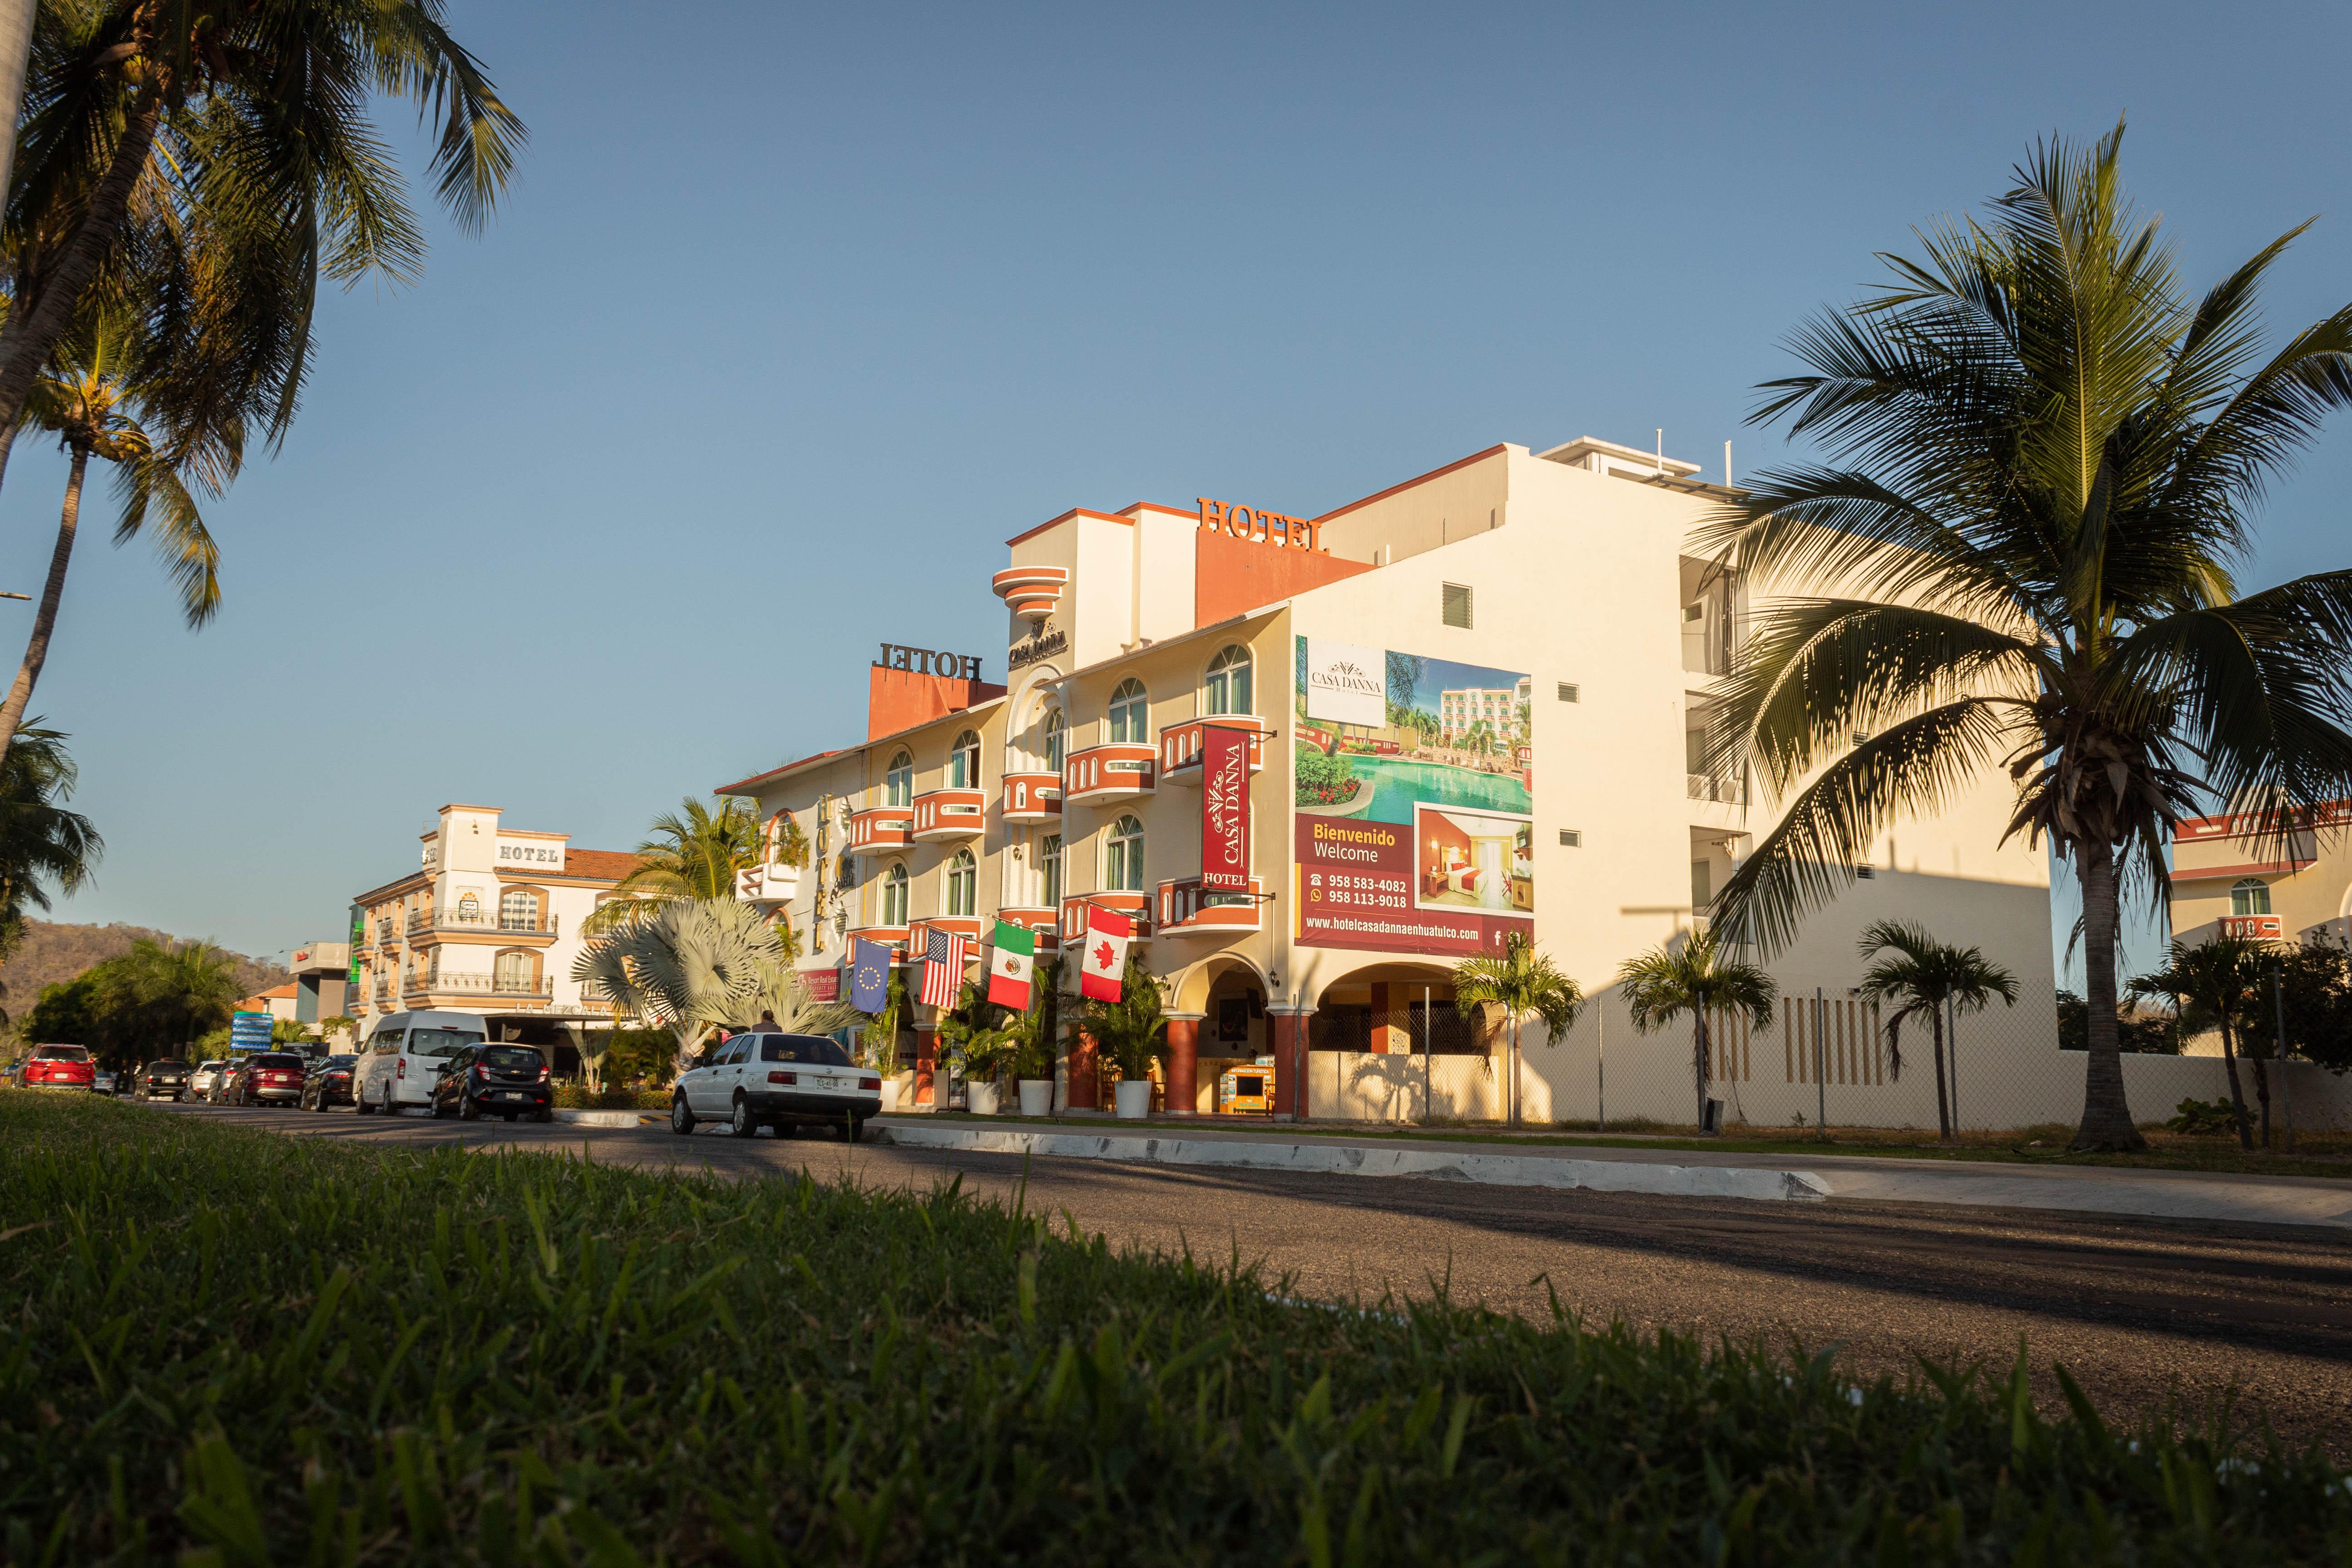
(142, 121)
(1132, 1032)
(1927, 977)
(86, 399)
(694, 855)
(42, 844)
(1695, 977)
(1526, 984)
(2044, 450)
(689, 965)
(2219, 982)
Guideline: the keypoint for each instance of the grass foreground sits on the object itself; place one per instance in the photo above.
(229, 1347)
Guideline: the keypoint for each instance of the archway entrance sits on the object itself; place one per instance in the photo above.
(1221, 1008)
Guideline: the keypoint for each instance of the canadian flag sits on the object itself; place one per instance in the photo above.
(1102, 958)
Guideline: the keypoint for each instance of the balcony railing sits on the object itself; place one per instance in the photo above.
(1137, 907)
(1187, 908)
(2252, 927)
(479, 984)
(424, 920)
(943, 816)
(1717, 788)
(1110, 773)
(881, 828)
(1180, 746)
(1041, 921)
(1032, 797)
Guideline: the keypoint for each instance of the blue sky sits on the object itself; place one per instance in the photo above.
(795, 314)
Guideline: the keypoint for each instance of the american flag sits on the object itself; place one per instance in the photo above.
(943, 960)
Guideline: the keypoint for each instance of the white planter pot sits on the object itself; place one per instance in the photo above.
(889, 1094)
(1134, 1098)
(980, 1098)
(1036, 1097)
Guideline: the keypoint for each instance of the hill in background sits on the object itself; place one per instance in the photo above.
(52, 952)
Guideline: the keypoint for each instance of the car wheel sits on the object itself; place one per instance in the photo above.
(546, 1115)
(857, 1130)
(681, 1115)
(744, 1125)
(359, 1106)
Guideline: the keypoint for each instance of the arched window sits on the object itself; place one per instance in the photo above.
(1123, 857)
(514, 975)
(1228, 686)
(2250, 896)
(894, 895)
(1049, 867)
(898, 781)
(518, 909)
(964, 885)
(1058, 734)
(1130, 719)
(963, 761)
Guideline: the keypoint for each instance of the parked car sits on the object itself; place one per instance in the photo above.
(207, 1075)
(406, 1053)
(777, 1080)
(267, 1078)
(505, 1081)
(166, 1077)
(103, 1081)
(60, 1067)
(328, 1081)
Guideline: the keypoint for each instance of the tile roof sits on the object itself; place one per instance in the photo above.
(611, 865)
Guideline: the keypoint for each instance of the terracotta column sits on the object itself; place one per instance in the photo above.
(1183, 1064)
(1289, 1029)
(926, 1056)
(1086, 1073)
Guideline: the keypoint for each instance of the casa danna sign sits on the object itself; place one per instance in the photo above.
(1044, 645)
(929, 661)
(1224, 809)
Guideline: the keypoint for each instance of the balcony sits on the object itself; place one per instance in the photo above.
(768, 884)
(1137, 907)
(919, 935)
(892, 937)
(450, 983)
(1716, 788)
(945, 815)
(1032, 797)
(1180, 746)
(879, 830)
(2252, 927)
(1042, 922)
(1187, 908)
(1106, 775)
(424, 921)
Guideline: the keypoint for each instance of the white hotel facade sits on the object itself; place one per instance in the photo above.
(1545, 595)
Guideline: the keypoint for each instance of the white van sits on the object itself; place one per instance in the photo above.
(406, 1053)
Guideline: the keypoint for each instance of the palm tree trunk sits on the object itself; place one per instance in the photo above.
(1943, 1106)
(2262, 1096)
(2237, 1096)
(45, 619)
(29, 335)
(1515, 1070)
(1698, 1062)
(2106, 1112)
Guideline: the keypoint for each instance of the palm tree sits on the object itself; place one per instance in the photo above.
(87, 400)
(1927, 976)
(2045, 453)
(1132, 1032)
(693, 856)
(2218, 981)
(1525, 984)
(41, 842)
(170, 992)
(143, 123)
(1694, 977)
(692, 964)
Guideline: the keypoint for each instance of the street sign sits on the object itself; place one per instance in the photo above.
(249, 1031)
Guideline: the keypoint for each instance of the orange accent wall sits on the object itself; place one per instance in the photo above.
(1231, 575)
(900, 698)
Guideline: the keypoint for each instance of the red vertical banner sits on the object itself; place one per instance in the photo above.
(1224, 809)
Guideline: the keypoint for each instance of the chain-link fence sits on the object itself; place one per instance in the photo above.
(1825, 1056)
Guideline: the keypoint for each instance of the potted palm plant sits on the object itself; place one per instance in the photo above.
(1032, 1062)
(1130, 1033)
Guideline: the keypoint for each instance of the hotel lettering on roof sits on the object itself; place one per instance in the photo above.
(1320, 760)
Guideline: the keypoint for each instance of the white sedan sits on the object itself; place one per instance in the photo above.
(777, 1080)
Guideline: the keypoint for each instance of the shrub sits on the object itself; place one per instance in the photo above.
(2203, 1116)
(1324, 780)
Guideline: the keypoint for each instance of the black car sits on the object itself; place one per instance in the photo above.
(500, 1080)
(163, 1079)
(329, 1082)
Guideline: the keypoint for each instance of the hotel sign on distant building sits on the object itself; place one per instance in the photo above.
(929, 661)
(531, 854)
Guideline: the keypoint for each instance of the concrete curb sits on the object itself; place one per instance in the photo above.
(602, 1117)
(1325, 1156)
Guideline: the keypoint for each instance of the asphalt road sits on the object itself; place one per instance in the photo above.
(2147, 1315)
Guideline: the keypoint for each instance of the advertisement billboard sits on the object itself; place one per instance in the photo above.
(1414, 810)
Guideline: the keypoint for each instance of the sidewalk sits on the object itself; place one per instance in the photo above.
(1682, 1173)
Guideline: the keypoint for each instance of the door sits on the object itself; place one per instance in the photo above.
(702, 1084)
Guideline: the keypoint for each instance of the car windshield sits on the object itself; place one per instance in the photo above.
(814, 1049)
(339, 1064)
(441, 1042)
(512, 1058)
(278, 1060)
(61, 1053)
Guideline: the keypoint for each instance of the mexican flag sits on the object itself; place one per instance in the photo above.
(1102, 961)
(1013, 952)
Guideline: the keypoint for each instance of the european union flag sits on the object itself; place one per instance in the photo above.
(869, 975)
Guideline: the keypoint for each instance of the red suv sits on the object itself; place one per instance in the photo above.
(267, 1078)
(60, 1066)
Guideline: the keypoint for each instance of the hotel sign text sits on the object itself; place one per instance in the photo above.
(1262, 527)
(927, 661)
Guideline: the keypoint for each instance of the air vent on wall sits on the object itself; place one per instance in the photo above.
(1570, 692)
(1571, 838)
(1457, 606)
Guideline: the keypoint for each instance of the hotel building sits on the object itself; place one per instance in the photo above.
(1332, 668)
(489, 924)
(2227, 880)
